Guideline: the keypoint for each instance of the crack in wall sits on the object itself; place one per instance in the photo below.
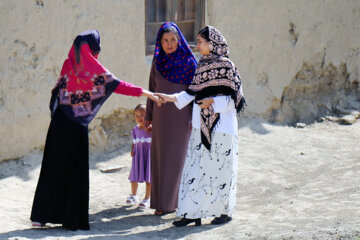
(293, 35)
(317, 90)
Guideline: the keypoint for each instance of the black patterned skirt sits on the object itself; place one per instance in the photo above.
(62, 192)
(208, 183)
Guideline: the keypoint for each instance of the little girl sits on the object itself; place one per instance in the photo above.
(140, 152)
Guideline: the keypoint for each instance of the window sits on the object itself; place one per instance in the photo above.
(187, 14)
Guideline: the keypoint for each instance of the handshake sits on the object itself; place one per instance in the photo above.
(161, 98)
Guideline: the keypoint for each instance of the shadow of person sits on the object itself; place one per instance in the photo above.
(122, 221)
(116, 223)
(108, 221)
(124, 229)
(124, 218)
(38, 233)
(113, 212)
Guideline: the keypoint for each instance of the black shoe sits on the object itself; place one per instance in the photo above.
(186, 221)
(222, 219)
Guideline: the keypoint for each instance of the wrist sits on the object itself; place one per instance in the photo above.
(146, 93)
(174, 97)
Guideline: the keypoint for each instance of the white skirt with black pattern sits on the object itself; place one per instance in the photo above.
(208, 183)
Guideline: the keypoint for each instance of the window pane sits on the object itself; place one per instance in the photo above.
(150, 8)
(151, 33)
(161, 8)
(180, 10)
(187, 29)
(190, 9)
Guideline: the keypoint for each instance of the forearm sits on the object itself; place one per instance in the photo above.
(182, 99)
(172, 98)
(126, 88)
(146, 93)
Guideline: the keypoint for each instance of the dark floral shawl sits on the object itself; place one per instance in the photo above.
(215, 75)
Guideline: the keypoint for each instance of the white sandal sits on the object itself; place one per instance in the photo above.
(145, 203)
(132, 200)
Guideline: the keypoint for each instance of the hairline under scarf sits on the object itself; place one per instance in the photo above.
(90, 37)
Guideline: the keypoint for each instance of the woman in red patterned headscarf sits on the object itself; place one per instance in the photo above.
(62, 193)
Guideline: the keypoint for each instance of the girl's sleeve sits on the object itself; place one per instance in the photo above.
(152, 88)
(223, 104)
(128, 89)
(183, 99)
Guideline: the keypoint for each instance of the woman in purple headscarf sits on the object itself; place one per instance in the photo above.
(172, 71)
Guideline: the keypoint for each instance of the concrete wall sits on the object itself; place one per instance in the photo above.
(298, 59)
(35, 40)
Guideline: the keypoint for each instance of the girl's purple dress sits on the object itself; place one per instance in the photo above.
(140, 168)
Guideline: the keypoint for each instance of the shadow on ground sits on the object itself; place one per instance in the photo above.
(114, 223)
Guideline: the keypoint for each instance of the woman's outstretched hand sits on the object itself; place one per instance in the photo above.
(152, 96)
(205, 103)
(166, 97)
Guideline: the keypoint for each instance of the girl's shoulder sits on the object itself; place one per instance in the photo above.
(135, 130)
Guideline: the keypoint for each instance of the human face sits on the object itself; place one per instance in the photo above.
(169, 42)
(203, 45)
(140, 118)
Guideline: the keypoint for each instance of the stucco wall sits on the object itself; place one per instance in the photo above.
(35, 40)
(298, 60)
(275, 43)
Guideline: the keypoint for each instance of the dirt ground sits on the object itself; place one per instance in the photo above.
(293, 183)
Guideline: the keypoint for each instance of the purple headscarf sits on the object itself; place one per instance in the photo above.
(179, 66)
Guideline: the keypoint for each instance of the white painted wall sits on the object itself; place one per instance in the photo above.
(36, 36)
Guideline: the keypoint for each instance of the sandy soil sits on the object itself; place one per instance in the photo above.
(293, 183)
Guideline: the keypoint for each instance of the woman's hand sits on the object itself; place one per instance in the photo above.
(166, 97)
(205, 103)
(148, 126)
(152, 96)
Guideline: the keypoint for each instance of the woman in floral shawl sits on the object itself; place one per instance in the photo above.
(208, 184)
